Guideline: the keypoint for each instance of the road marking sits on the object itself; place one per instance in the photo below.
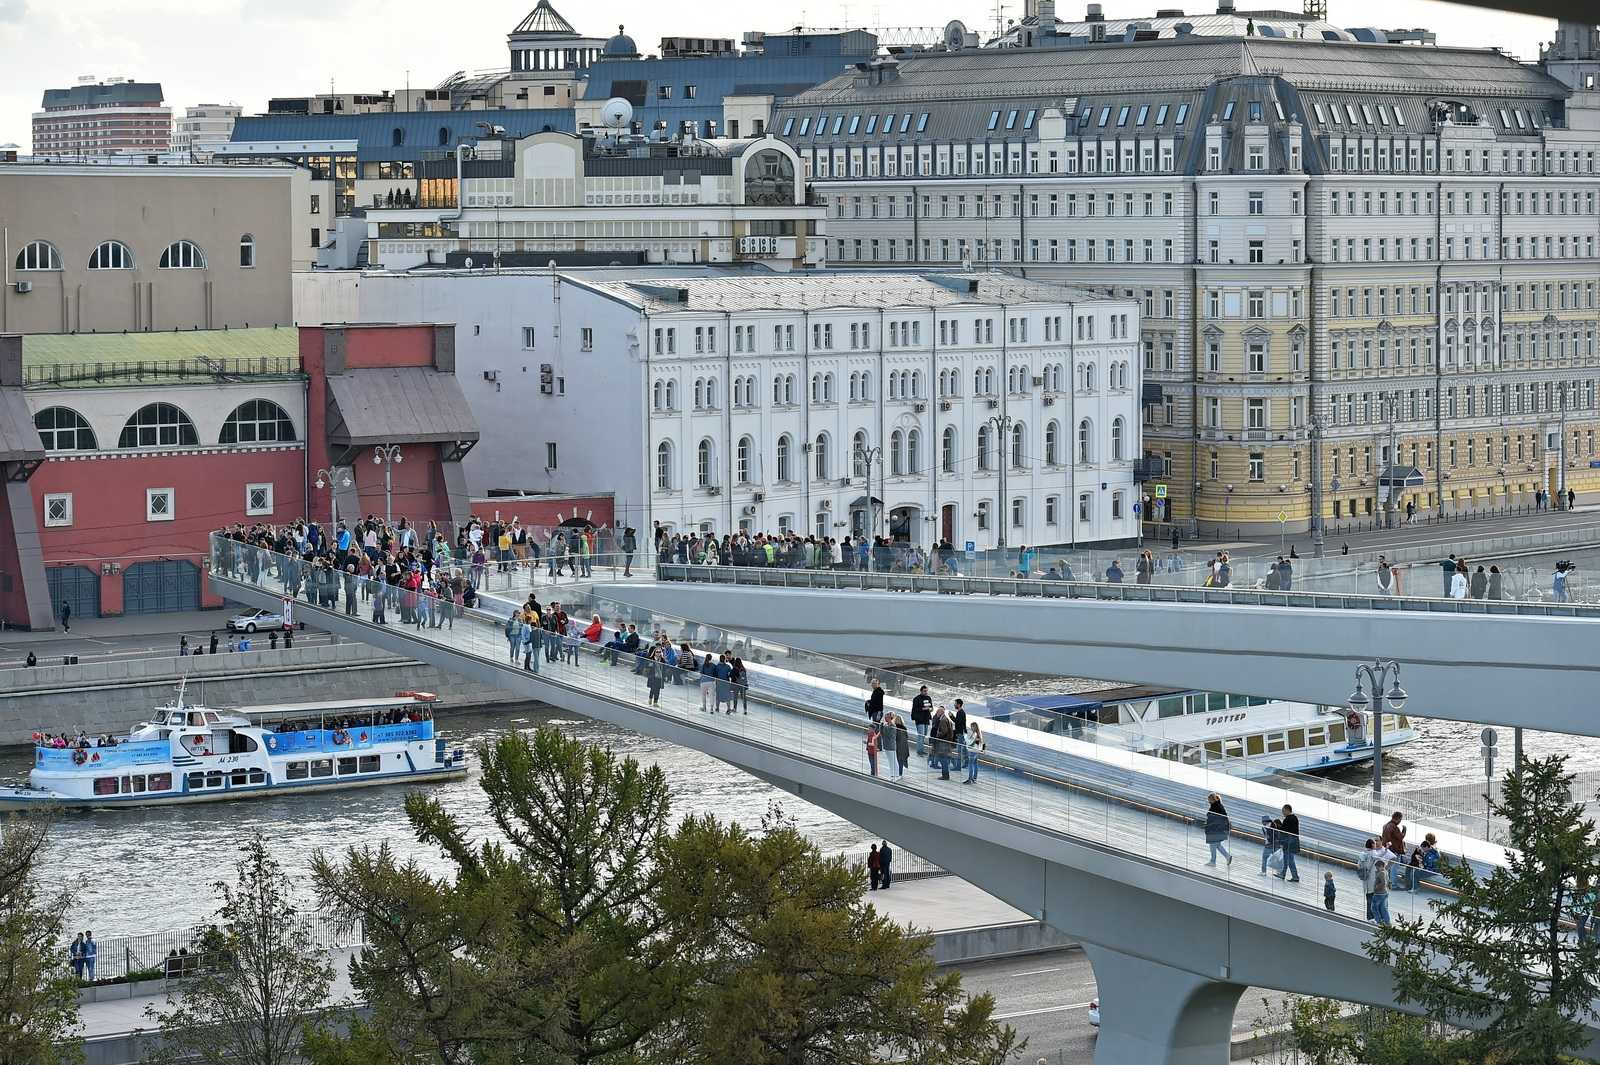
(1038, 972)
(1046, 1009)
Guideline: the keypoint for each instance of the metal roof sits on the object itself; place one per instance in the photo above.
(814, 291)
(421, 132)
(55, 349)
(19, 440)
(103, 95)
(398, 406)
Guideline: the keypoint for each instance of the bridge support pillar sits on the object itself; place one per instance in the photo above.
(1150, 1012)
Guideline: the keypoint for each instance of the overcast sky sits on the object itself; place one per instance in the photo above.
(243, 51)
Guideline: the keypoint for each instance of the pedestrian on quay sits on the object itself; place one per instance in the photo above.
(66, 616)
(1458, 584)
(1447, 569)
(183, 647)
(1218, 828)
(1497, 588)
(1558, 582)
(1329, 891)
(902, 746)
(921, 716)
(874, 867)
(90, 951)
(1479, 586)
(740, 679)
(975, 744)
(1385, 577)
(885, 863)
(75, 957)
(1289, 834)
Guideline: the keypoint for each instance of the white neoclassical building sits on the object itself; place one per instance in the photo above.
(980, 406)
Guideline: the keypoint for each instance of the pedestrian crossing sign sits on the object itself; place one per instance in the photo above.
(1161, 491)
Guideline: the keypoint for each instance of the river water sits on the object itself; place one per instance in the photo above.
(148, 870)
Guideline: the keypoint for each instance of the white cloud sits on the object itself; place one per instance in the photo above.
(13, 10)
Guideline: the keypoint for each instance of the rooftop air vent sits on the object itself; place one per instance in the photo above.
(1095, 14)
(1169, 12)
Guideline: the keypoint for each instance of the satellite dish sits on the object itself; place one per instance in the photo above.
(955, 35)
(616, 113)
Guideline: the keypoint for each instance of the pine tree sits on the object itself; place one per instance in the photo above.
(1496, 958)
(261, 978)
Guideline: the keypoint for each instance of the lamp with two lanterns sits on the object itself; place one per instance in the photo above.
(1384, 679)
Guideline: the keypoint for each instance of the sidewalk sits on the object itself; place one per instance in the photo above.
(130, 636)
(942, 904)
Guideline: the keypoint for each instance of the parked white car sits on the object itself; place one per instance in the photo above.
(251, 620)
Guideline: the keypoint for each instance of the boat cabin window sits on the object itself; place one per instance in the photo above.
(1172, 706)
(211, 718)
(1297, 738)
(322, 767)
(238, 777)
(1253, 745)
(1275, 743)
(258, 776)
(160, 782)
(1317, 735)
(1108, 715)
(296, 771)
(1336, 732)
(370, 763)
(196, 718)
(105, 785)
(1233, 748)
(214, 780)
(132, 784)
(347, 765)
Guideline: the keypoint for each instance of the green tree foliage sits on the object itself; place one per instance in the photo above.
(594, 932)
(1495, 958)
(261, 978)
(38, 994)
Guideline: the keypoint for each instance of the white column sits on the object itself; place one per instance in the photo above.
(1150, 1012)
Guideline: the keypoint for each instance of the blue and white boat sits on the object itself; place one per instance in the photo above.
(188, 753)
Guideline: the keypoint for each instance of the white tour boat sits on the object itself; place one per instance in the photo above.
(1245, 735)
(187, 753)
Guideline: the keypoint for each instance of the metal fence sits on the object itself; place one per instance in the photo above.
(179, 952)
(199, 368)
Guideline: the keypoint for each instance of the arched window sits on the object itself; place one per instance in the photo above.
(816, 388)
(977, 382)
(777, 391)
(711, 393)
(64, 429)
(896, 454)
(658, 396)
(855, 387)
(672, 395)
(988, 382)
(247, 251)
(785, 445)
(699, 392)
(742, 456)
(985, 438)
(1052, 443)
(158, 425)
(444, 136)
(664, 466)
(1116, 439)
(827, 388)
(947, 450)
(257, 420)
(397, 137)
(38, 255)
(866, 386)
(894, 385)
(913, 450)
(183, 255)
(111, 255)
(1019, 439)
(788, 389)
(769, 179)
(824, 460)
(1085, 441)
(916, 384)
(704, 470)
(858, 452)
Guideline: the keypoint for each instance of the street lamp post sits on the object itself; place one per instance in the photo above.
(334, 478)
(1377, 674)
(1002, 429)
(388, 456)
(866, 456)
(1317, 534)
(1390, 408)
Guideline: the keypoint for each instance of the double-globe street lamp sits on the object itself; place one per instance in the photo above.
(388, 456)
(1377, 674)
(337, 478)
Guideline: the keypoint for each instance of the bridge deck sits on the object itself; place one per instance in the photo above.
(1072, 789)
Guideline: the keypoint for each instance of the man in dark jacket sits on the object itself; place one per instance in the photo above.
(1289, 841)
(921, 715)
(959, 728)
(944, 734)
(885, 856)
(875, 701)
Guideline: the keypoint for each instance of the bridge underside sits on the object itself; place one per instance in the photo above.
(1531, 672)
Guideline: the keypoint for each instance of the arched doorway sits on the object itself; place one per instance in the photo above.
(905, 524)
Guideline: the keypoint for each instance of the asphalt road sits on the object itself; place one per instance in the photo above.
(1584, 522)
(105, 646)
(1045, 997)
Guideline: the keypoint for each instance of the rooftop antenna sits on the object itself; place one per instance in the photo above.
(1000, 19)
(1316, 9)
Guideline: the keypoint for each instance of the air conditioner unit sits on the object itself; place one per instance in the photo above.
(713, 490)
(24, 286)
(759, 496)
(1049, 401)
(918, 408)
(827, 504)
(994, 404)
(749, 512)
(944, 404)
(1037, 381)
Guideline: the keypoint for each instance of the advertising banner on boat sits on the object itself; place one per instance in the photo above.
(336, 739)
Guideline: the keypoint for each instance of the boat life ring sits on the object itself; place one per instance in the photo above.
(79, 757)
(1352, 720)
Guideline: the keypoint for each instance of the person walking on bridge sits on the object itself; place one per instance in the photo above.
(1447, 569)
(921, 716)
(902, 745)
(1289, 834)
(1218, 828)
(944, 733)
(1269, 840)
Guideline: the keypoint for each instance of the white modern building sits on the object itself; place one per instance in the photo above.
(609, 197)
(981, 406)
(202, 128)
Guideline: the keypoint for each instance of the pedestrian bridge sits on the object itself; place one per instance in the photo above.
(1502, 663)
(1101, 843)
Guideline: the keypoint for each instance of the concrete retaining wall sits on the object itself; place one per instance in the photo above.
(987, 942)
(111, 696)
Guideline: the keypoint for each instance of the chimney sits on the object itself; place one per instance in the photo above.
(1224, 7)
(1183, 29)
(1095, 14)
(1047, 17)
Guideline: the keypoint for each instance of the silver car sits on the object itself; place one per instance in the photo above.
(251, 620)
